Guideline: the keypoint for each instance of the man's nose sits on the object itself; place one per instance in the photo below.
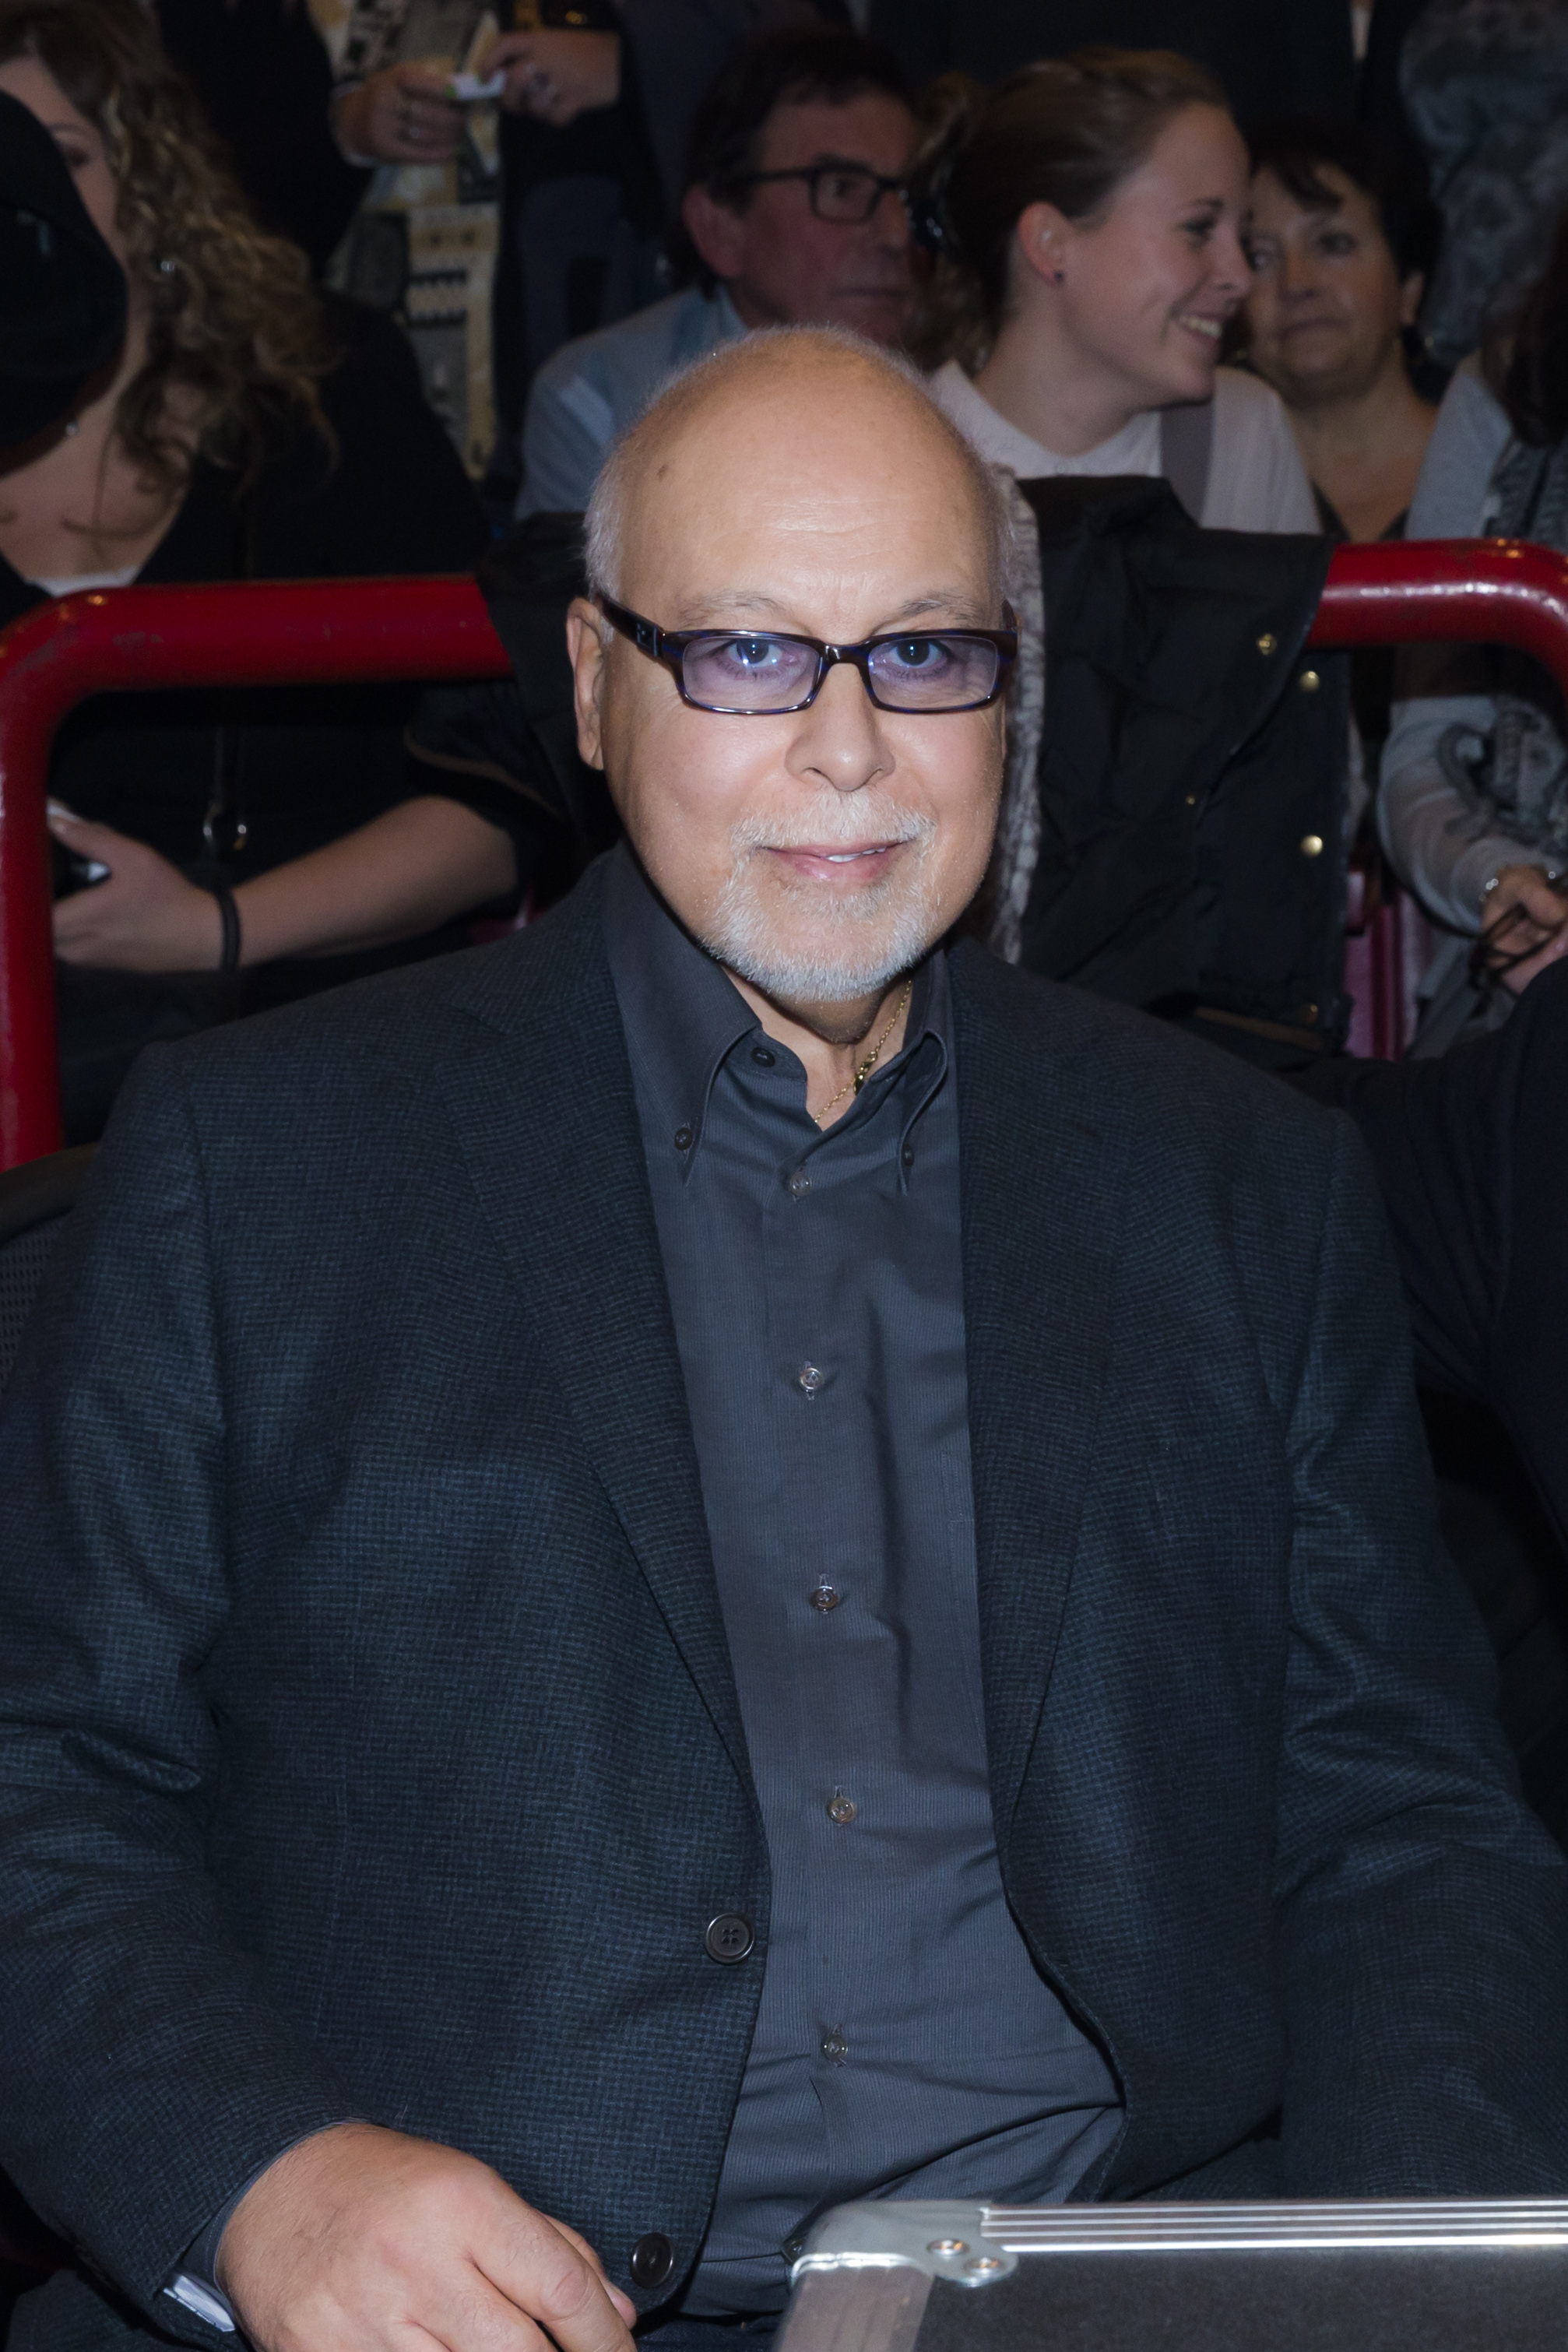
(889, 225)
(841, 740)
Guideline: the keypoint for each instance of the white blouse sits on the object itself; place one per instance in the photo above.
(1256, 480)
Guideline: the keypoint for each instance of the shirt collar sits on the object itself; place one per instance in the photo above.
(682, 1013)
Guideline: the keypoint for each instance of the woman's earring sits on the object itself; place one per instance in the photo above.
(164, 267)
(1058, 278)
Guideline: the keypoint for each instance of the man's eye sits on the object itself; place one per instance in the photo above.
(749, 653)
(1336, 242)
(1198, 232)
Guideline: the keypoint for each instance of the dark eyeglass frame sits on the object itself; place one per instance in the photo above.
(815, 174)
(668, 648)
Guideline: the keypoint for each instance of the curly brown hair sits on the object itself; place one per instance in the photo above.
(232, 319)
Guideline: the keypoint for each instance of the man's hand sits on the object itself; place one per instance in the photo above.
(556, 77)
(365, 2241)
(145, 918)
(1525, 926)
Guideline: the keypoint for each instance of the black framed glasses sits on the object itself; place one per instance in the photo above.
(754, 673)
(847, 193)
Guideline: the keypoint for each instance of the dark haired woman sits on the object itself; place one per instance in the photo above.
(1092, 207)
(242, 433)
(1340, 244)
(1474, 807)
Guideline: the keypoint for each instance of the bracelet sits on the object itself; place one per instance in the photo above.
(229, 913)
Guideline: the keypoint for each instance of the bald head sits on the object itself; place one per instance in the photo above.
(799, 485)
(787, 395)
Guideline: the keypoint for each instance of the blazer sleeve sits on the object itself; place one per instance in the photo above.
(145, 2075)
(1423, 1911)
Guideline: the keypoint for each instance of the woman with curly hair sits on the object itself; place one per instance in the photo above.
(238, 849)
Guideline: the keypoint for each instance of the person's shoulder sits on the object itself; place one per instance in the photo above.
(1243, 403)
(1193, 1102)
(1470, 435)
(630, 350)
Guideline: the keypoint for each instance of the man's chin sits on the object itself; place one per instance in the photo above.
(881, 317)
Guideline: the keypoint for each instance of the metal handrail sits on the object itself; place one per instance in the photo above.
(367, 632)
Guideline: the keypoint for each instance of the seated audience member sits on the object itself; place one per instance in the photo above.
(793, 214)
(1340, 241)
(1474, 803)
(1341, 238)
(242, 432)
(1091, 215)
(1469, 1150)
(721, 1477)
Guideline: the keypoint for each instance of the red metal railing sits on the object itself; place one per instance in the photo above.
(366, 631)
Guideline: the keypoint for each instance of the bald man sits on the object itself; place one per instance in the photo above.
(724, 1556)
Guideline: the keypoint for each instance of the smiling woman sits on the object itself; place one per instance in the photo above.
(1087, 216)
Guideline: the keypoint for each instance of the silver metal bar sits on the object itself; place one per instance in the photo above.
(1174, 2229)
(861, 2310)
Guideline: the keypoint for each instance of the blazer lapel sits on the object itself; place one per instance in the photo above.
(540, 1096)
(1042, 1205)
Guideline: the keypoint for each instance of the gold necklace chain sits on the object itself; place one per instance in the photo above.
(853, 1085)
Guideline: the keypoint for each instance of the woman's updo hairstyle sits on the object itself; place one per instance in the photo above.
(1067, 132)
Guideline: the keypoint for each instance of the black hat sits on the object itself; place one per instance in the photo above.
(62, 293)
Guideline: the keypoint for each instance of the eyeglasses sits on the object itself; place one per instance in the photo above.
(744, 674)
(846, 192)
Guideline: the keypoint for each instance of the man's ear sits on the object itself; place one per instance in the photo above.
(586, 652)
(715, 230)
(1411, 289)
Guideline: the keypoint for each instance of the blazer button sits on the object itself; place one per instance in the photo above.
(653, 2259)
(729, 1938)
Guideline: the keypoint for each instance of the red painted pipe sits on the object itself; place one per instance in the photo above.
(1496, 591)
(1499, 591)
(353, 632)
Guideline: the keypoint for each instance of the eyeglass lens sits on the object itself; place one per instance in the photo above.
(729, 673)
(844, 194)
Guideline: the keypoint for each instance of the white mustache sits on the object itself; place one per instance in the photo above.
(838, 824)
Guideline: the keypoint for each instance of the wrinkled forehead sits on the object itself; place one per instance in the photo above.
(817, 482)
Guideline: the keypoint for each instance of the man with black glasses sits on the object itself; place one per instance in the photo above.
(793, 215)
(726, 1556)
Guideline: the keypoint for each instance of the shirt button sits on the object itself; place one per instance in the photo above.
(653, 2259)
(763, 1059)
(728, 1938)
(826, 1597)
(810, 1378)
(835, 2049)
(799, 1186)
(683, 1139)
(841, 1808)
(793, 2249)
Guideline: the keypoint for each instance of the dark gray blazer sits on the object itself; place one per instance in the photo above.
(368, 1744)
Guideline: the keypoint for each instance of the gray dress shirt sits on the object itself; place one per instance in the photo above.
(905, 2044)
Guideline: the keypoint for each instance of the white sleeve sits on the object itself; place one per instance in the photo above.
(1470, 436)
(1256, 480)
(1438, 845)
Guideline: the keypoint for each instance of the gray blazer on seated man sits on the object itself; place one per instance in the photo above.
(792, 215)
(721, 1557)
